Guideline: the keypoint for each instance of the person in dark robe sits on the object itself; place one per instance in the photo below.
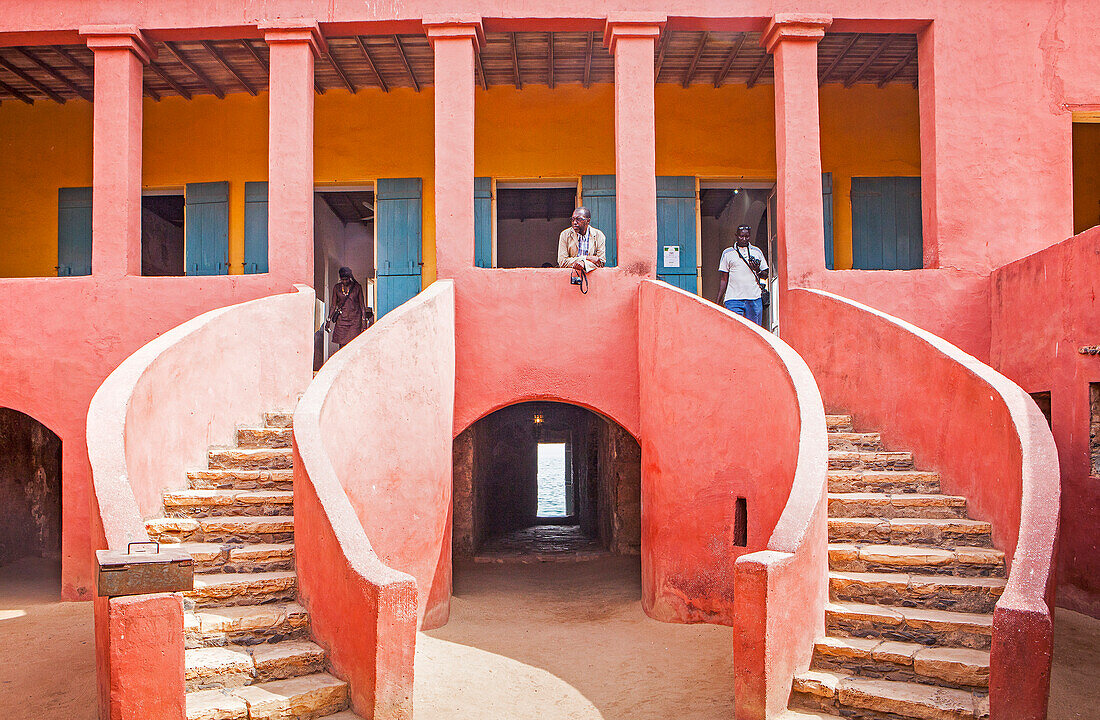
(348, 316)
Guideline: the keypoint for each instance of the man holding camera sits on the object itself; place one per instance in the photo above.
(739, 271)
(582, 246)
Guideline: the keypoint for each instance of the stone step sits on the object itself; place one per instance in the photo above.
(908, 505)
(265, 437)
(909, 662)
(204, 503)
(936, 592)
(219, 478)
(961, 561)
(884, 481)
(244, 624)
(238, 665)
(235, 458)
(926, 532)
(235, 557)
(221, 589)
(855, 441)
(944, 628)
(279, 419)
(838, 423)
(869, 460)
(861, 697)
(240, 529)
(303, 698)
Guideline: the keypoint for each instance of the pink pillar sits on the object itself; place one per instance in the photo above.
(631, 37)
(455, 40)
(294, 43)
(121, 52)
(792, 39)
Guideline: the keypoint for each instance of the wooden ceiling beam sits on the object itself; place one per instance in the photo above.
(480, 68)
(757, 71)
(370, 63)
(194, 70)
(550, 60)
(340, 70)
(662, 48)
(893, 73)
(19, 73)
(862, 69)
(54, 73)
(86, 70)
(160, 72)
(839, 58)
(517, 76)
(405, 60)
(588, 61)
(16, 93)
(730, 59)
(690, 74)
(217, 55)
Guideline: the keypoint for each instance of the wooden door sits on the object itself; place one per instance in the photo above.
(598, 195)
(74, 231)
(399, 239)
(676, 235)
(206, 228)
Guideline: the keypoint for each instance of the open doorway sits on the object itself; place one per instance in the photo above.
(30, 492)
(530, 217)
(723, 207)
(546, 480)
(162, 233)
(343, 236)
(1086, 174)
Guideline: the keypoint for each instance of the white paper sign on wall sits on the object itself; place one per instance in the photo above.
(672, 256)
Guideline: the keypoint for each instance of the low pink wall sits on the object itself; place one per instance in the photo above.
(979, 430)
(151, 420)
(1045, 308)
(384, 407)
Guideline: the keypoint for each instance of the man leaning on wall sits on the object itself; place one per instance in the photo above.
(582, 246)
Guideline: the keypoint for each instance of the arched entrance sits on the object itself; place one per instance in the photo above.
(546, 479)
(30, 489)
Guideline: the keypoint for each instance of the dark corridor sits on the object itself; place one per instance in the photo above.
(30, 488)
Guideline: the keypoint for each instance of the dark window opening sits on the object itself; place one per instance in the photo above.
(162, 235)
(30, 489)
(1042, 399)
(1086, 175)
(741, 523)
(529, 222)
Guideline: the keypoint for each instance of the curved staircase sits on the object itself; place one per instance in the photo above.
(248, 656)
(912, 586)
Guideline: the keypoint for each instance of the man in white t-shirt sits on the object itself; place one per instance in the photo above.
(739, 272)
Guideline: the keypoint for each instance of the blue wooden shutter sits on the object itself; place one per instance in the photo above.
(206, 228)
(598, 195)
(255, 227)
(676, 226)
(827, 206)
(74, 231)
(398, 213)
(886, 224)
(483, 222)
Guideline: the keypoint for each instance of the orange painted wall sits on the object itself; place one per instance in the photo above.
(1086, 176)
(724, 133)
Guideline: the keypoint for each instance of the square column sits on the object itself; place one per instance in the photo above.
(294, 44)
(631, 38)
(792, 39)
(454, 41)
(121, 53)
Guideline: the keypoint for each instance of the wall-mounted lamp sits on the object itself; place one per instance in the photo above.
(538, 418)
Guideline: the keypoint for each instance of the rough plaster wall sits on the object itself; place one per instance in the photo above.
(30, 488)
(464, 530)
(161, 246)
(507, 461)
(620, 473)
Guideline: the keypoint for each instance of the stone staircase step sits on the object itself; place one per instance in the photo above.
(265, 437)
(215, 705)
(892, 660)
(883, 505)
(344, 715)
(236, 665)
(943, 628)
(960, 561)
(246, 529)
(883, 481)
(936, 592)
(235, 458)
(242, 588)
(204, 503)
(305, 698)
(860, 697)
(869, 460)
(221, 478)
(279, 419)
(855, 441)
(838, 423)
(259, 557)
(928, 532)
(244, 624)
(173, 530)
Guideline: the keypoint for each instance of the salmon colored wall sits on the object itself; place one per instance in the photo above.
(1086, 176)
(536, 132)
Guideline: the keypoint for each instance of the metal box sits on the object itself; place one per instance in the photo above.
(152, 568)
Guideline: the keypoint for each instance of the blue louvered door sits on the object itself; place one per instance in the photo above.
(255, 227)
(886, 223)
(74, 231)
(483, 222)
(598, 195)
(676, 230)
(206, 228)
(399, 240)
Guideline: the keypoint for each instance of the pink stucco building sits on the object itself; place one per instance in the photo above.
(922, 177)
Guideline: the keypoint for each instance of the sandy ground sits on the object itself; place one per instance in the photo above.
(555, 641)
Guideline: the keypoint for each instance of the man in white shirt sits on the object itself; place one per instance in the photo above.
(739, 272)
(581, 245)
